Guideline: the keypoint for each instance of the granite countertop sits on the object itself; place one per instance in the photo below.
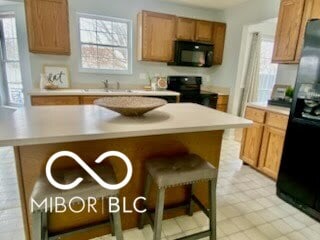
(101, 92)
(271, 108)
(53, 124)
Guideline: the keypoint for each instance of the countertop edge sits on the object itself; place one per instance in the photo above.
(270, 108)
(92, 137)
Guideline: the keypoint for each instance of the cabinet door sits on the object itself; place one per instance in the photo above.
(271, 151)
(288, 29)
(204, 31)
(48, 26)
(311, 10)
(218, 39)
(251, 143)
(186, 29)
(158, 34)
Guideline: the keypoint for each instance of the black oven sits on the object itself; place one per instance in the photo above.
(193, 54)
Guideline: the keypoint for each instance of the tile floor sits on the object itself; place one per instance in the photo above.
(247, 207)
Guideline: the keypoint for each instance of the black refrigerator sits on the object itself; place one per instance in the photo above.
(299, 175)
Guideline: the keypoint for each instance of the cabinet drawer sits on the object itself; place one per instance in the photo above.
(255, 114)
(59, 100)
(277, 120)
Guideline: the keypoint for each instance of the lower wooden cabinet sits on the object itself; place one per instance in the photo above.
(262, 143)
(55, 100)
(222, 103)
(271, 151)
(251, 143)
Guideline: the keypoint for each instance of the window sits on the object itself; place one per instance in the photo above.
(105, 44)
(10, 63)
(268, 71)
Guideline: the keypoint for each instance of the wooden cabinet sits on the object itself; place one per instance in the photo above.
(157, 33)
(262, 144)
(48, 26)
(251, 143)
(186, 29)
(271, 151)
(292, 20)
(218, 39)
(54, 100)
(222, 103)
(89, 99)
(204, 31)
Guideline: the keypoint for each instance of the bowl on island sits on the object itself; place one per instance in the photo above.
(130, 106)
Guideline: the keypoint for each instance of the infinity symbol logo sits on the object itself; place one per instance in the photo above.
(76, 182)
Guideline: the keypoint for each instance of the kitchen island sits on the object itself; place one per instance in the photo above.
(37, 133)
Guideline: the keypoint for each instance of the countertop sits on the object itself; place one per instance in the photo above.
(271, 108)
(100, 92)
(53, 124)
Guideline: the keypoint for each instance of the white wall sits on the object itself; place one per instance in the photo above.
(287, 74)
(122, 9)
(251, 12)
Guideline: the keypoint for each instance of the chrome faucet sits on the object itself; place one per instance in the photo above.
(106, 83)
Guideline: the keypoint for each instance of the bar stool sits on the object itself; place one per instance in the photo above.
(178, 171)
(87, 188)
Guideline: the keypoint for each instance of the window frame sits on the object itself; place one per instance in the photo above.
(129, 46)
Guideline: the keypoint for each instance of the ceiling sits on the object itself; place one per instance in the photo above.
(214, 4)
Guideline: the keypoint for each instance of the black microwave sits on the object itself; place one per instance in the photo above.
(192, 54)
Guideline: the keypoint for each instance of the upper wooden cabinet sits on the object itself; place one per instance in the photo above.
(287, 35)
(157, 33)
(186, 29)
(204, 31)
(292, 20)
(218, 39)
(48, 26)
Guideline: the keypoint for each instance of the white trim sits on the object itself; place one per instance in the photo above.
(129, 47)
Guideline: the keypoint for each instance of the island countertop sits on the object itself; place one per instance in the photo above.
(101, 92)
(53, 124)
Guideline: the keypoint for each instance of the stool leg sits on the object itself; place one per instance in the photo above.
(117, 225)
(36, 225)
(190, 206)
(111, 223)
(44, 225)
(147, 188)
(158, 214)
(212, 212)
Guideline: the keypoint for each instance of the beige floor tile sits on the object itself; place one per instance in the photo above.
(242, 223)
(228, 227)
(270, 231)
(255, 234)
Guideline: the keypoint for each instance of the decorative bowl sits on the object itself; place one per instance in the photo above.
(130, 106)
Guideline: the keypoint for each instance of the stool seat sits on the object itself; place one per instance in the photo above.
(180, 170)
(87, 188)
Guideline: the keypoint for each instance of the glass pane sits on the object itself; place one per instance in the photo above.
(88, 24)
(9, 28)
(13, 72)
(89, 56)
(12, 52)
(88, 36)
(104, 26)
(120, 53)
(15, 93)
(105, 52)
(120, 64)
(120, 28)
(104, 38)
(120, 40)
(105, 63)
